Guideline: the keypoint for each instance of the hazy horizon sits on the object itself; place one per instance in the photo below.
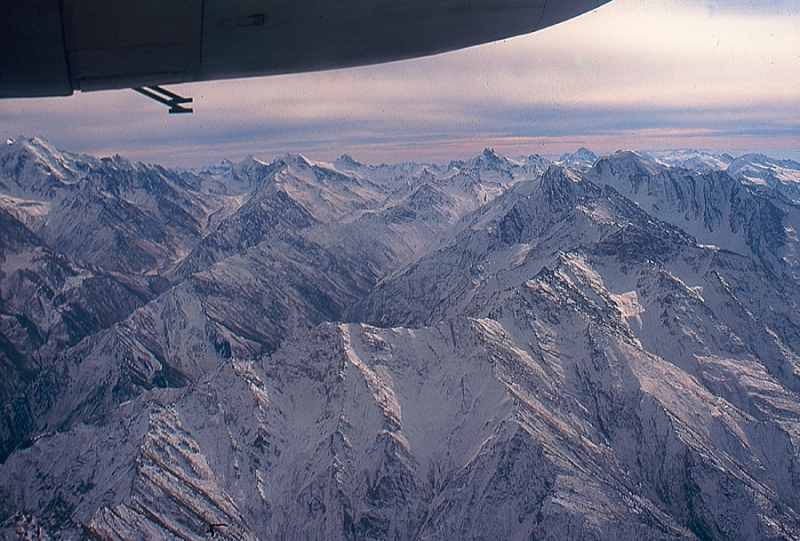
(650, 153)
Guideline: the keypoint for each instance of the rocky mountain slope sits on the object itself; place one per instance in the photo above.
(492, 349)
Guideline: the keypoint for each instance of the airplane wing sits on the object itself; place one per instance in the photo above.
(55, 47)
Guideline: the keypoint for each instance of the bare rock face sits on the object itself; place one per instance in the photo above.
(496, 349)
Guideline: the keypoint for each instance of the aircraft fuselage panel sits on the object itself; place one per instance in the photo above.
(54, 47)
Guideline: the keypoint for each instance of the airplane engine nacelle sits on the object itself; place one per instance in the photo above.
(53, 47)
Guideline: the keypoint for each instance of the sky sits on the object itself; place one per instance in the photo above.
(720, 75)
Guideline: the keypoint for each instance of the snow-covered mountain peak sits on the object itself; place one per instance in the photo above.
(558, 179)
(488, 161)
(119, 163)
(297, 161)
(225, 165)
(490, 157)
(66, 167)
(698, 160)
(34, 168)
(625, 164)
(252, 172)
(760, 170)
(581, 159)
(710, 205)
(535, 160)
(251, 163)
(345, 162)
(556, 192)
(454, 166)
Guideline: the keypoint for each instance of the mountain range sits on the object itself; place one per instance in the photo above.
(591, 348)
